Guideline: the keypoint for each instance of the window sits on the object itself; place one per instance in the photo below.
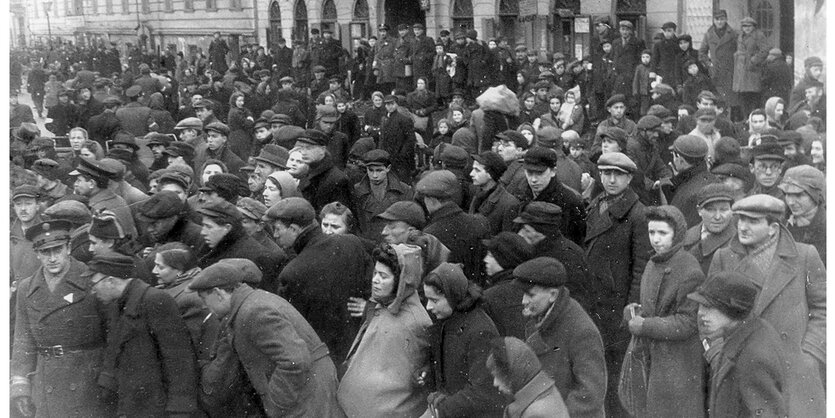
(300, 21)
(188, 5)
(125, 6)
(275, 25)
(361, 10)
(146, 6)
(235, 4)
(329, 15)
(763, 13)
(632, 6)
(211, 5)
(168, 5)
(462, 14)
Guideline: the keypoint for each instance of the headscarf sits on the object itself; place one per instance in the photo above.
(411, 272)
(458, 290)
(286, 183)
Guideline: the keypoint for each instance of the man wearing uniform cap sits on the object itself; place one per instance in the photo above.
(561, 333)
(805, 195)
(377, 190)
(156, 358)
(57, 346)
(792, 279)
(732, 337)
(691, 174)
(423, 53)
(616, 106)
(92, 180)
(492, 200)
(717, 226)
(397, 137)
(264, 330)
(326, 272)
(79, 217)
(767, 165)
(205, 110)
(325, 183)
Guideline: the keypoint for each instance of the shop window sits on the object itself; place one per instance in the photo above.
(763, 12)
(462, 14)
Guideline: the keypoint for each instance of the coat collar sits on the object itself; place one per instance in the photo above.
(448, 209)
(72, 278)
(617, 210)
(134, 293)
(529, 394)
(239, 295)
(712, 242)
(363, 188)
(781, 271)
(732, 348)
(307, 237)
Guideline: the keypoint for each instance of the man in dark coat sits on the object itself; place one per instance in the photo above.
(602, 32)
(59, 333)
(481, 65)
(377, 190)
(19, 112)
(626, 54)
(691, 175)
(778, 77)
(460, 232)
(324, 183)
(92, 180)
(35, 81)
(423, 52)
(664, 56)
(135, 117)
(217, 54)
(563, 336)
(403, 53)
(327, 271)
(544, 186)
(717, 227)
(148, 363)
(330, 54)
(163, 219)
(492, 201)
(217, 137)
(397, 137)
(617, 247)
(502, 301)
(717, 55)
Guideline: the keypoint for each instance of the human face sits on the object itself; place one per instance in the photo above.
(77, 140)
(712, 322)
(176, 189)
(341, 107)
(296, 165)
(508, 151)
(457, 116)
(209, 171)
(683, 45)
(608, 145)
(213, 233)
(692, 69)
(84, 186)
(209, 197)
(614, 182)
(530, 102)
(436, 303)
(480, 175)
(531, 235)
(377, 101)
(382, 283)
(554, 104)
(754, 231)
(537, 300)
(720, 22)
(26, 208)
(661, 235)
(202, 113)
(326, 127)
(816, 152)
(521, 80)
(491, 265)
(160, 227)
(747, 29)
(767, 172)
(377, 174)
(790, 150)
(625, 32)
(218, 301)
(271, 193)
(705, 125)
(239, 102)
(157, 151)
(669, 32)
(54, 259)
(501, 383)
(539, 180)
(645, 59)
(329, 101)
(815, 71)
(576, 152)
(263, 169)
(800, 203)
(421, 84)
(311, 152)
(443, 128)
(100, 246)
(188, 135)
(215, 140)
(396, 232)
(757, 123)
(617, 110)
(105, 287)
(528, 134)
(166, 273)
(716, 216)
(285, 235)
(333, 224)
(262, 133)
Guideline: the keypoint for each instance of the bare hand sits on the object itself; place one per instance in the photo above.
(636, 324)
(24, 406)
(356, 306)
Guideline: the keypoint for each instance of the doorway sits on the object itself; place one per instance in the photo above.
(403, 11)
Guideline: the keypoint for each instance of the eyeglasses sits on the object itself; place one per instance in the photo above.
(764, 168)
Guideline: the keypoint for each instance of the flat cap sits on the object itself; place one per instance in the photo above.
(189, 123)
(540, 159)
(616, 134)
(805, 178)
(402, 26)
(227, 185)
(769, 150)
(759, 206)
(540, 213)
(251, 272)
(179, 149)
(105, 225)
(748, 21)
(112, 100)
(418, 26)
(49, 234)
(133, 91)
(549, 137)
(668, 25)
(601, 20)
(515, 137)
(251, 208)
(732, 293)
(789, 137)
(705, 113)
(405, 211)
(327, 113)
(274, 155)
(205, 104)
(319, 69)
(649, 122)
(94, 168)
(174, 177)
(219, 274)
(111, 264)
(261, 123)
(377, 157)
(720, 13)
(735, 170)
(314, 137)
(390, 99)
(454, 156)
(472, 34)
(125, 138)
(813, 62)
(438, 183)
(715, 192)
(157, 139)
(626, 24)
(616, 161)
(218, 127)
(26, 190)
(222, 210)
(161, 205)
(493, 164)
(281, 118)
(541, 271)
(291, 210)
(691, 146)
(286, 79)
(383, 26)
(661, 112)
(617, 98)
(73, 211)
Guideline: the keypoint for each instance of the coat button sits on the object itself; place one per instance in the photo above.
(784, 336)
(73, 386)
(48, 389)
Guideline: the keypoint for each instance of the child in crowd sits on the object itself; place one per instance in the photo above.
(641, 82)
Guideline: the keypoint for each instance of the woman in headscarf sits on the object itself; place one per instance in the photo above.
(665, 320)
(374, 116)
(390, 348)
(775, 112)
(279, 185)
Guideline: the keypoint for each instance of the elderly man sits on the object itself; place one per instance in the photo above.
(563, 336)
(717, 227)
(793, 296)
(805, 195)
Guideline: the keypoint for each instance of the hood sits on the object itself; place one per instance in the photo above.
(679, 223)
(771, 106)
(411, 273)
(157, 102)
(522, 363)
(287, 183)
(465, 138)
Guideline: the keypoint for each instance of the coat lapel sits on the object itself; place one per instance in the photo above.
(781, 272)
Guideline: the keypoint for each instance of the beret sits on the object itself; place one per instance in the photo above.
(616, 161)
(438, 183)
(759, 206)
(73, 211)
(189, 123)
(220, 210)
(732, 293)
(218, 127)
(617, 98)
(454, 156)
(26, 190)
(162, 204)
(251, 208)
(540, 213)
(493, 164)
(314, 137)
(649, 122)
(541, 271)
(48, 234)
(405, 211)
(219, 274)
(715, 192)
(274, 155)
(292, 209)
(539, 159)
(111, 264)
(133, 91)
(376, 157)
(690, 146)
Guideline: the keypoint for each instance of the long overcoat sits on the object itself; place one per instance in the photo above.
(749, 61)
(717, 55)
(384, 59)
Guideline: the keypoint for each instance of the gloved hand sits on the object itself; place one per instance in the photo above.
(24, 406)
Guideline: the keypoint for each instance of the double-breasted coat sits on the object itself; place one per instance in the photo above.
(369, 206)
(717, 55)
(792, 299)
(498, 206)
(384, 59)
(749, 61)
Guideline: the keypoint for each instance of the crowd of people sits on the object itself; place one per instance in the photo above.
(421, 228)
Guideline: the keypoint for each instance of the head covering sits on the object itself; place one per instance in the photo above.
(251, 208)
(405, 211)
(438, 183)
(732, 293)
(673, 214)
(541, 271)
(410, 260)
(493, 164)
(163, 204)
(228, 186)
(760, 206)
(294, 210)
(454, 286)
(516, 360)
(805, 178)
(48, 234)
(73, 211)
(286, 183)
(509, 249)
(111, 264)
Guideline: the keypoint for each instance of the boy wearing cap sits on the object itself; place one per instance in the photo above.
(217, 136)
(616, 106)
(792, 279)
(804, 187)
(60, 331)
(747, 367)
(378, 189)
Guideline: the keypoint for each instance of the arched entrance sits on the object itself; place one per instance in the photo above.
(462, 15)
(274, 31)
(300, 21)
(402, 11)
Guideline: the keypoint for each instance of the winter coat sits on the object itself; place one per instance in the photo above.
(103, 127)
(777, 79)
(641, 81)
(539, 398)
(389, 351)
(64, 117)
(502, 302)
(617, 247)
(462, 234)
(687, 185)
(202, 326)
(717, 54)
(665, 61)
(569, 346)
(573, 225)
(324, 184)
(23, 260)
(59, 385)
(318, 282)
(693, 85)
(135, 118)
(749, 60)
(793, 300)
(240, 136)
(232, 161)
(237, 244)
(402, 56)
(368, 206)
(397, 137)
(148, 360)
(704, 249)
(384, 59)
(813, 234)
(626, 56)
(423, 51)
(498, 206)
